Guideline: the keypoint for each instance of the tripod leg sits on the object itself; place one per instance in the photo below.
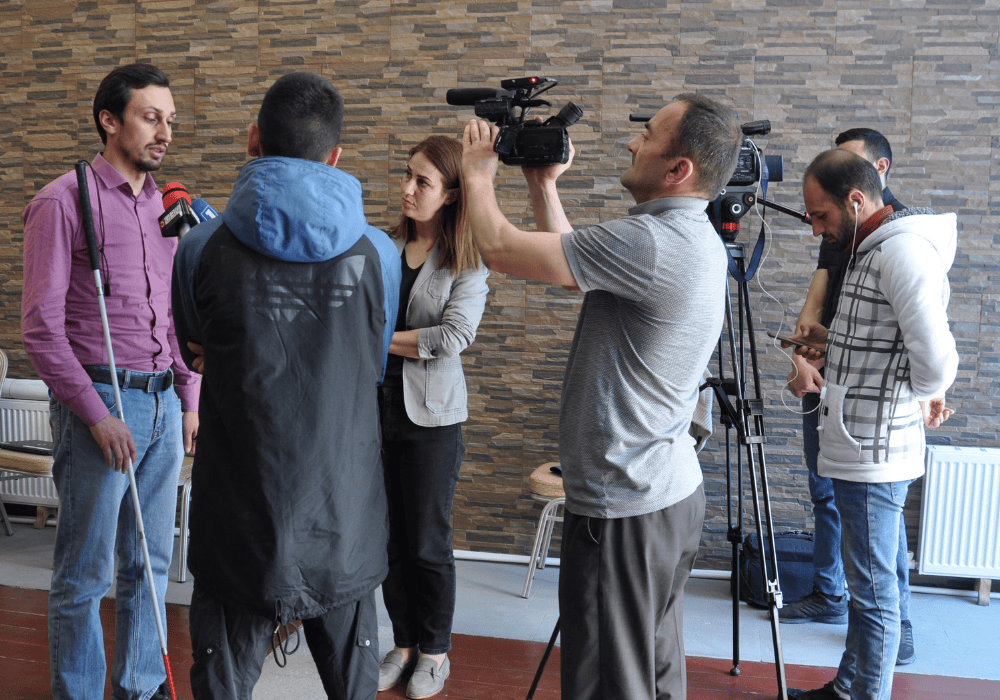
(545, 660)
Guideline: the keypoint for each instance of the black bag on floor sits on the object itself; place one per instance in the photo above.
(795, 567)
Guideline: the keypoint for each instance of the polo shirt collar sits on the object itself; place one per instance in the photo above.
(655, 207)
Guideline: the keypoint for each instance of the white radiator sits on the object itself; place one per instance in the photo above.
(960, 513)
(24, 415)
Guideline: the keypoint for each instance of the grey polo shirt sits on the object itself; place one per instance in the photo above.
(655, 284)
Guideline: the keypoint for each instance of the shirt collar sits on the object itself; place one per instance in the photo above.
(110, 178)
(655, 207)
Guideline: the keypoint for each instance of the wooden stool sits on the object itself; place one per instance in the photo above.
(546, 487)
(20, 465)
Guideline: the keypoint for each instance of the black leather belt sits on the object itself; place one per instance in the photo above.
(150, 383)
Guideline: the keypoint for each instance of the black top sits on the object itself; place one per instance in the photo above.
(394, 365)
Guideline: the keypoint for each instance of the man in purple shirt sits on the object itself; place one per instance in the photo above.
(61, 327)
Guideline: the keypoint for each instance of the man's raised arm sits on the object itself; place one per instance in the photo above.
(504, 247)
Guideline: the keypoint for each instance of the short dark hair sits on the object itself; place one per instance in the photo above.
(116, 89)
(875, 144)
(300, 117)
(709, 134)
(838, 172)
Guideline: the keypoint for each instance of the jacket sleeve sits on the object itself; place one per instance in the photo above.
(460, 318)
(915, 284)
(187, 323)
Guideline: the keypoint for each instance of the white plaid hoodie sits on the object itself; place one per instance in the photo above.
(889, 346)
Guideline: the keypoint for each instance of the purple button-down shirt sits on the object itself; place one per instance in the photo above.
(60, 316)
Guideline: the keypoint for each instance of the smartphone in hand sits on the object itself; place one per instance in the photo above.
(796, 343)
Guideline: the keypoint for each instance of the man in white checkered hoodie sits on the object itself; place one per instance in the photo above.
(889, 347)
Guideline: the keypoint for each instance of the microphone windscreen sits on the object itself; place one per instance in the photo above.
(174, 191)
(470, 96)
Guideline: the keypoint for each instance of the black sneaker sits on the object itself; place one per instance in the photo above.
(906, 654)
(825, 693)
(816, 607)
(163, 692)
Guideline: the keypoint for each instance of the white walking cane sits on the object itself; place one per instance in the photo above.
(88, 231)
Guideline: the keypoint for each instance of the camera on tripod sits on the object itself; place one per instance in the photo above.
(740, 195)
(521, 142)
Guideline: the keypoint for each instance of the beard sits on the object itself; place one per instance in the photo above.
(844, 234)
(147, 165)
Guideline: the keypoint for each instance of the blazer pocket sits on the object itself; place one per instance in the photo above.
(439, 285)
(444, 385)
(835, 441)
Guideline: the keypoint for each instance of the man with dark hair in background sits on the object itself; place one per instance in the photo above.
(655, 284)
(63, 336)
(293, 297)
(886, 350)
(827, 603)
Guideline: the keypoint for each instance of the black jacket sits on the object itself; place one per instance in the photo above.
(288, 507)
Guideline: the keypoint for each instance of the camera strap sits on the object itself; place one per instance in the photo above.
(758, 250)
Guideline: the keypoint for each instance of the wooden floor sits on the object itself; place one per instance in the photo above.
(482, 668)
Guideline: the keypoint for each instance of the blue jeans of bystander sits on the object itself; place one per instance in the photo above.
(97, 522)
(828, 574)
(870, 541)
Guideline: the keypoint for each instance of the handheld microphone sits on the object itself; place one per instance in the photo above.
(178, 218)
(203, 210)
(462, 97)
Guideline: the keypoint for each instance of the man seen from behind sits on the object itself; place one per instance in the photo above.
(293, 297)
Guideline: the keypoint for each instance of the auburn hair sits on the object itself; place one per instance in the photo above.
(458, 251)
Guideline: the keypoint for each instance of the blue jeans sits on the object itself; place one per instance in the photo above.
(97, 521)
(828, 574)
(870, 541)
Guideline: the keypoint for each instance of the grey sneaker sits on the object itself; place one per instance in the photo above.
(816, 607)
(906, 654)
(428, 678)
(393, 668)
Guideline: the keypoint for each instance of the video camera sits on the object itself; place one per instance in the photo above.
(521, 142)
(740, 195)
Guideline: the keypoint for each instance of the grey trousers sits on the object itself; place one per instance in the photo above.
(621, 602)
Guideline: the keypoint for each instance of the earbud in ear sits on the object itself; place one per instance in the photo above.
(855, 208)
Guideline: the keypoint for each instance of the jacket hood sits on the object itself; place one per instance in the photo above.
(941, 230)
(295, 210)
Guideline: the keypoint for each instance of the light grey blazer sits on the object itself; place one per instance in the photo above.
(447, 312)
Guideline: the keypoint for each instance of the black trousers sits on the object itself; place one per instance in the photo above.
(421, 470)
(621, 602)
(230, 647)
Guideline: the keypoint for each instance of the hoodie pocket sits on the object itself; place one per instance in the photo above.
(836, 443)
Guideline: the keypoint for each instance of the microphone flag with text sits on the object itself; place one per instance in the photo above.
(178, 217)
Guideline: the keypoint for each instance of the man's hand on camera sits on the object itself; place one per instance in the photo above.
(540, 175)
(478, 156)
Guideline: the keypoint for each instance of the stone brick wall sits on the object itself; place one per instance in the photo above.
(926, 74)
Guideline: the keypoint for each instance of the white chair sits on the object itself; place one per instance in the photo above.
(546, 487)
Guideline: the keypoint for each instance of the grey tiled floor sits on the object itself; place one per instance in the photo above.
(954, 636)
